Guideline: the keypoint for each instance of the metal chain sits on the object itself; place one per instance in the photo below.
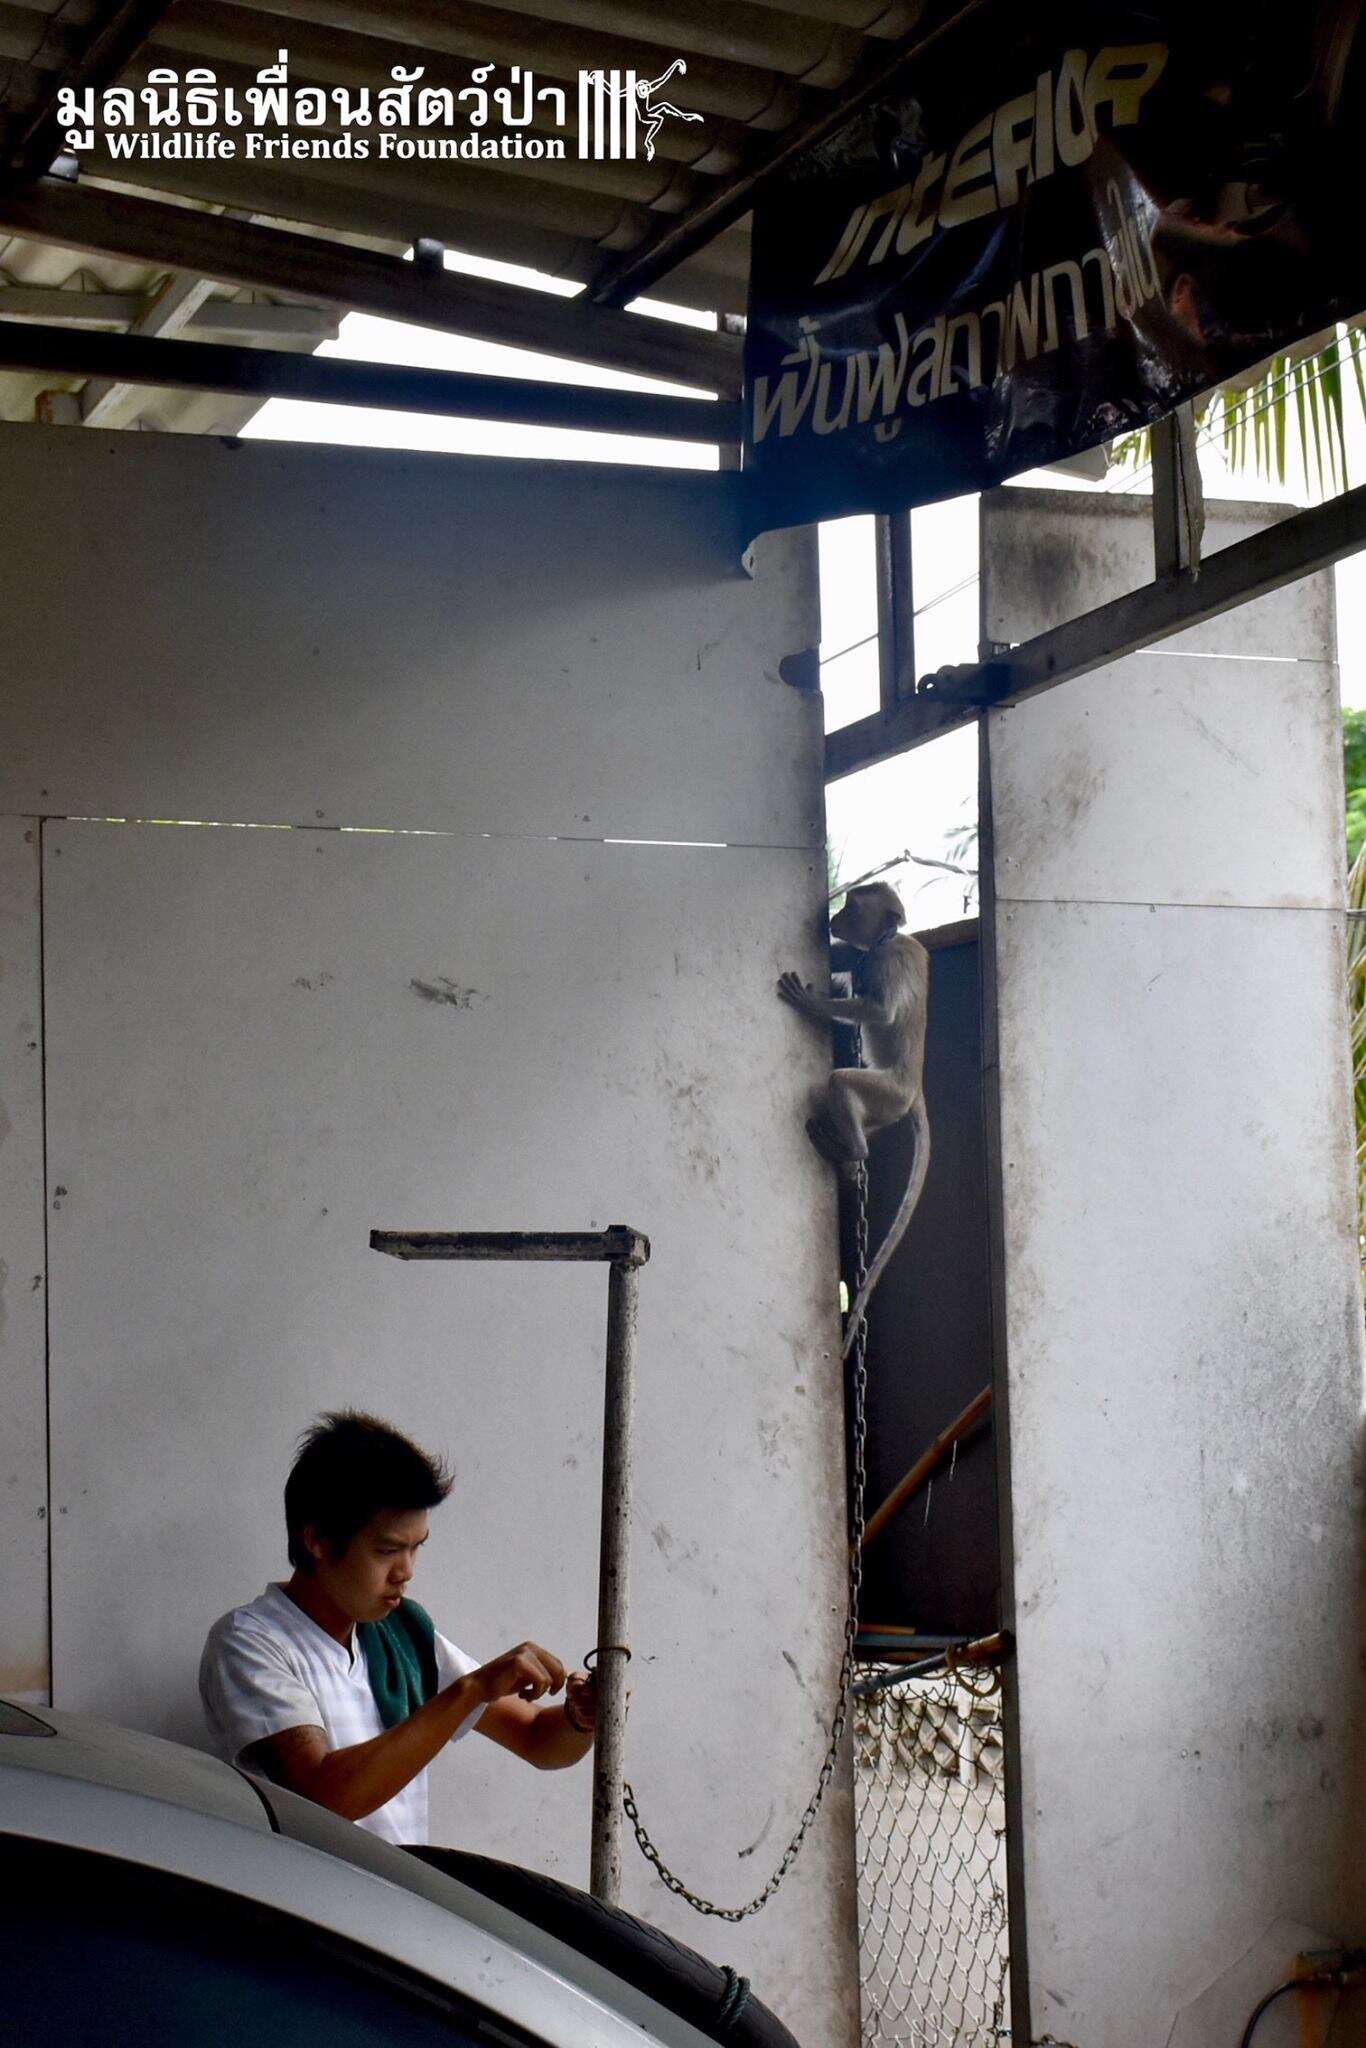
(859, 1417)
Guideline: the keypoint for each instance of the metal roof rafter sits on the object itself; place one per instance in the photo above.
(332, 380)
(104, 222)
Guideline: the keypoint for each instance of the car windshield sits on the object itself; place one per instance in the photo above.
(122, 1955)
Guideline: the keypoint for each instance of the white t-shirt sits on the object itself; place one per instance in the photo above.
(268, 1666)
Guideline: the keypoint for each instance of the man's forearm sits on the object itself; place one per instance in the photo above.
(555, 1742)
(354, 1782)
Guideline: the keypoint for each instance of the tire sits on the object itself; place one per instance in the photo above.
(715, 2000)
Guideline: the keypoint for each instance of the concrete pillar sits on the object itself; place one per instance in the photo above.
(1181, 1311)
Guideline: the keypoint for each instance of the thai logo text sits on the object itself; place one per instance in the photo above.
(192, 114)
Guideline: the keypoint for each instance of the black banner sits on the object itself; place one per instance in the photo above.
(1078, 215)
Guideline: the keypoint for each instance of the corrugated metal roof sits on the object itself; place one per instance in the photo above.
(757, 73)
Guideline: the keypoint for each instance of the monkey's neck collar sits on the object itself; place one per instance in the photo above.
(865, 960)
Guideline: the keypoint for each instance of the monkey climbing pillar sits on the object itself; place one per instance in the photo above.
(625, 1251)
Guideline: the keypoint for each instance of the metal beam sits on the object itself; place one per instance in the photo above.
(327, 200)
(174, 307)
(1178, 496)
(617, 1243)
(895, 609)
(117, 33)
(281, 320)
(986, 1650)
(1281, 554)
(644, 266)
(367, 281)
(330, 380)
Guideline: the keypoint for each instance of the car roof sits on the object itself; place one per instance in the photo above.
(70, 1779)
(99, 1753)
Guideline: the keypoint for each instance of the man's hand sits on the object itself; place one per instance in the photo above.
(356, 1780)
(581, 1700)
(526, 1673)
(550, 1737)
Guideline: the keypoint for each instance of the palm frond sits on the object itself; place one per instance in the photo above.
(1250, 416)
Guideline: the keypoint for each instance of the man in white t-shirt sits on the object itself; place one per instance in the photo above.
(335, 1685)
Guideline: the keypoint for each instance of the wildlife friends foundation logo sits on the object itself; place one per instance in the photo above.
(618, 114)
(619, 111)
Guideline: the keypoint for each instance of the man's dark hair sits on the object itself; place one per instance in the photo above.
(349, 1468)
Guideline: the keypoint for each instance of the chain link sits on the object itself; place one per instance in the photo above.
(840, 1722)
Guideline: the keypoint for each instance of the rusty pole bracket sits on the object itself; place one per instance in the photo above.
(624, 1251)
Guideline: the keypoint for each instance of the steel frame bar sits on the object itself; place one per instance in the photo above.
(986, 1650)
(872, 1643)
(1178, 498)
(1267, 561)
(619, 1242)
(895, 609)
(98, 222)
(624, 1251)
(332, 380)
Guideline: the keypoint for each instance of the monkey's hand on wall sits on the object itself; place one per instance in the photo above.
(858, 1010)
(792, 989)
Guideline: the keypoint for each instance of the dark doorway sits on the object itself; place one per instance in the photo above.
(936, 1566)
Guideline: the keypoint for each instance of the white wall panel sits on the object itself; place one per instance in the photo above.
(1049, 555)
(275, 634)
(1183, 1314)
(1184, 1420)
(263, 1044)
(1137, 784)
(23, 1304)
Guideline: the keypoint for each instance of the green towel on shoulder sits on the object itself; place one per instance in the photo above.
(400, 1655)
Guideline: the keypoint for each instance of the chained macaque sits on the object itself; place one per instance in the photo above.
(891, 979)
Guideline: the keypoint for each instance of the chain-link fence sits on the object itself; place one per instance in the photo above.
(929, 1799)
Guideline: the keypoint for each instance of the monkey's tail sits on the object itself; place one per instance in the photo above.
(896, 1229)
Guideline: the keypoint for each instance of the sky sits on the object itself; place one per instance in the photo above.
(918, 802)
